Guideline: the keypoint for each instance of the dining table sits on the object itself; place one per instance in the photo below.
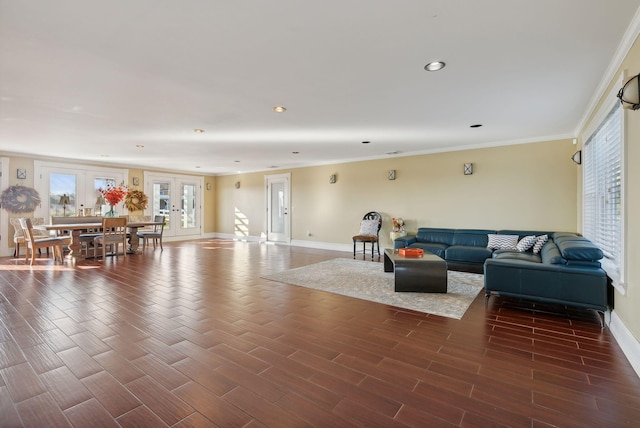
(76, 229)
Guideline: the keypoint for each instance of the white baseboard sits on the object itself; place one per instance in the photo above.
(232, 237)
(294, 242)
(322, 245)
(627, 342)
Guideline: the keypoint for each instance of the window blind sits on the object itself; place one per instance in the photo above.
(602, 190)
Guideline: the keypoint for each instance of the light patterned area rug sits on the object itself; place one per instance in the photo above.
(367, 280)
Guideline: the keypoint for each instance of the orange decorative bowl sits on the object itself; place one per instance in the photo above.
(411, 252)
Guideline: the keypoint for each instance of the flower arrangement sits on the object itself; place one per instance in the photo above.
(398, 224)
(113, 195)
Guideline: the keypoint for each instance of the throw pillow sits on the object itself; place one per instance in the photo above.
(526, 243)
(540, 241)
(369, 227)
(502, 242)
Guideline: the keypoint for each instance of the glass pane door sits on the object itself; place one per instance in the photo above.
(63, 194)
(161, 201)
(278, 222)
(188, 213)
(176, 198)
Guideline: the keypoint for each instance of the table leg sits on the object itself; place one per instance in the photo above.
(134, 241)
(388, 263)
(74, 245)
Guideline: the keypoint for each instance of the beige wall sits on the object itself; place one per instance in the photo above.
(526, 186)
(626, 304)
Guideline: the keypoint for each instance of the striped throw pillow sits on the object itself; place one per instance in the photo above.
(540, 241)
(502, 242)
(525, 243)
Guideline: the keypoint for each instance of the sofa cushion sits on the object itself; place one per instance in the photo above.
(438, 236)
(525, 243)
(578, 248)
(551, 254)
(521, 233)
(502, 242)
(540, 241)
(466, 253)
(472, 237)
(583, 263)
(432, 247)
(516, 255)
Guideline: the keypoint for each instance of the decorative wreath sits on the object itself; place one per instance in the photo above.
(20, 199)
(136, 200)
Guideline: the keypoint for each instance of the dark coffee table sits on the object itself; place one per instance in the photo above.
(426, 274)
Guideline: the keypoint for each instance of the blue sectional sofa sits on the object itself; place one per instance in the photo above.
(463, 249)
(566, 270)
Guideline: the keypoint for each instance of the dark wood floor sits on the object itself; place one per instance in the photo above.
(193, 336)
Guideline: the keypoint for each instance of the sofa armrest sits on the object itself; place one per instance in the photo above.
(404, 241)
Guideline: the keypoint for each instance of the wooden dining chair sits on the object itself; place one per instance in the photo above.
(155, 235)
(114, 233)
(34, 243)
(18, 234)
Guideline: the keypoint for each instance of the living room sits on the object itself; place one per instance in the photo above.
(520, 184)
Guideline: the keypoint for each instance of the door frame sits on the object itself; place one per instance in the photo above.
(286, 178)
(177, 180)
(6, 235)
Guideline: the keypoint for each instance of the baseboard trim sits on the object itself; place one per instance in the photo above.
(322, 245)
(233, 237)
(627, 342)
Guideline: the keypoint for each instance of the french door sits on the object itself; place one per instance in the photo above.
(70, 190)
(277, 203)
(178, 198)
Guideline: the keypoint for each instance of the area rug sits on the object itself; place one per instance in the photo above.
(367, 280)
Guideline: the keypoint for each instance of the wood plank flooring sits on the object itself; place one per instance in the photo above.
(193, 337)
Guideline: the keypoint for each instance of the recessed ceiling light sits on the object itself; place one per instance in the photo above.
(434, 66)
(279, 109)
(198, 131)
(477, 125)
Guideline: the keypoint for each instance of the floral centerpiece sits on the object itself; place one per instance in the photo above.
(398, 229)
(113, 195)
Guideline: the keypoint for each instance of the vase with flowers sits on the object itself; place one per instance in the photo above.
(398, 228)
(113, 195)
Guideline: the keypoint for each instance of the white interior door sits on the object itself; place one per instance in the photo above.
(278, 207)
(178, 199)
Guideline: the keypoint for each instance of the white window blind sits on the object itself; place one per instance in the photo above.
(602, 188)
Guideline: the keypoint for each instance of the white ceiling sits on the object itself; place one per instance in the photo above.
(89, 80)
